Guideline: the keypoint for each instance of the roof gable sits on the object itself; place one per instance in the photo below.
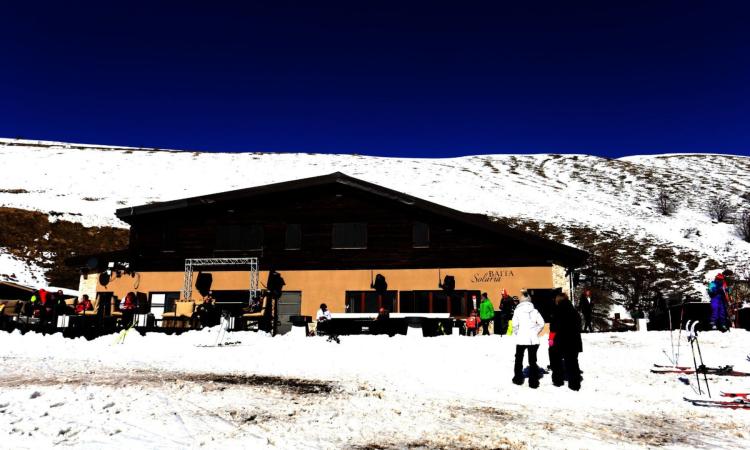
(567, 254)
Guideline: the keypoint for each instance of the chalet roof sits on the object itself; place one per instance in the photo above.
(569, 255)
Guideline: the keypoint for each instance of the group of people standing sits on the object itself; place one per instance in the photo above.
(486, 315)
(564, 342)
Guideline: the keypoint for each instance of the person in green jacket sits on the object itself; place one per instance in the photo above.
(486, 313)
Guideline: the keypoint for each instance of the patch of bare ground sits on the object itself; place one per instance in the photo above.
(455, 443)
(209, 381)
(651, 430)
(31, 236)
(491, 413)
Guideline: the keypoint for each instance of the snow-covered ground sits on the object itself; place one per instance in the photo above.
(87, 183)
(369, 392)
(13, 268)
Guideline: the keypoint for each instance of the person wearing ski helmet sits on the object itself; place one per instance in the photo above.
(719, 291)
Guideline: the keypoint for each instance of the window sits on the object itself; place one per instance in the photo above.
(293, 239)
(162, 302)
(169, 236)
(369, 301)
(349, 235)
(239, 237)
(456, 303)
(420, 235)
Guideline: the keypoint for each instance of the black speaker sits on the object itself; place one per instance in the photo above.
(275, 284)
(449, 283)
(104, 278)
(203, 283)
(380, 285)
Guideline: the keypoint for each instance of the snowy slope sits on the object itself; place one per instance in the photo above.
(369, 392)
(86, 183)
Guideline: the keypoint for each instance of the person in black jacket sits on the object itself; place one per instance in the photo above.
(586, 305)
(565, 343)
(507, 305)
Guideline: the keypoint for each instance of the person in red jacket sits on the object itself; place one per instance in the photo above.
(84, 305)
(127, 307)
(472, 323)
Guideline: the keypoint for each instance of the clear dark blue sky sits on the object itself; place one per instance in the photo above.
(409, 78)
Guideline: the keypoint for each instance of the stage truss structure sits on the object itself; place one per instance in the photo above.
(251, 263)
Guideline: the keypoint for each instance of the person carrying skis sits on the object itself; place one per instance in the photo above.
(719, 293)
(486, 313)
(586, 305)
(565, 343)
(527, 324)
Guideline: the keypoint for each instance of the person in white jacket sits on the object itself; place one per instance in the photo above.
(527, 324)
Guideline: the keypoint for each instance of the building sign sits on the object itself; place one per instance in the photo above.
(491, 276)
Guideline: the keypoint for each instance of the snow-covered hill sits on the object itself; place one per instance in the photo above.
(86, 183)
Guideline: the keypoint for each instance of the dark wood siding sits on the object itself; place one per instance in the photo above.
(390, 234)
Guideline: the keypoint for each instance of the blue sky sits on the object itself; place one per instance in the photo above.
(407, 78)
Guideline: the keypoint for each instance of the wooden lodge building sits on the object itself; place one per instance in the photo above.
(328, 237)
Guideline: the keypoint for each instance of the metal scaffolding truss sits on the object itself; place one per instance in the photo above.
(187, 287)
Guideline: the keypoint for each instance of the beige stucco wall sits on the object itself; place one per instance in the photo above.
(88, 285)
(330, 286)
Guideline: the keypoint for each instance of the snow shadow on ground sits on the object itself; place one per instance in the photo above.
(295, 386)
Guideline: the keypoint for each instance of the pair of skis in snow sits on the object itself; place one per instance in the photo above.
(731, 400)
(685, 370)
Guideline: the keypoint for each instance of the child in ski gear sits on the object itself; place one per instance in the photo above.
(565, 343)
(486, 313)
(527, 324)
(471, 324)
(586, 306)
(719, 293)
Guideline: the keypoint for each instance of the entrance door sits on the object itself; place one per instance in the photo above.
(290, 304)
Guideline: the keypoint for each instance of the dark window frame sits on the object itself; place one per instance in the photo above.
(414, 232)
(432, 300)
(170, 298)
(298, 235)
(361, 301)
(242, 241)
(356, 228)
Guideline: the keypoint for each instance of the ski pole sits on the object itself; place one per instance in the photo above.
(695, 363)
(703, 365)
(679, 334)
(671, 336)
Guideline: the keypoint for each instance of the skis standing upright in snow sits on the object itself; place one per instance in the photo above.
(693, 339)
